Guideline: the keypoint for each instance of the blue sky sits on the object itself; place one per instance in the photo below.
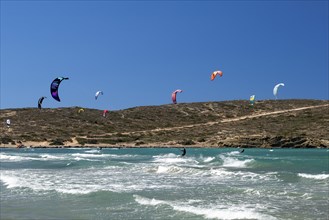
(138, 52)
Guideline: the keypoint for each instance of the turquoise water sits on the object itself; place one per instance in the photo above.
(158, 183)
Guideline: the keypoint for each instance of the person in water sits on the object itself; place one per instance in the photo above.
(184, 152)
(242, 151)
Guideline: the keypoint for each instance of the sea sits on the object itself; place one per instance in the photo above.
(159, 183)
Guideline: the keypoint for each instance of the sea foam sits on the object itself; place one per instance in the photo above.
(314, 176)
(234, 162)
(212, 212)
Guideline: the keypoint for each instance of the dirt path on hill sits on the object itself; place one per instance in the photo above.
(220, 121)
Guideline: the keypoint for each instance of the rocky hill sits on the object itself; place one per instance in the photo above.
(270, 123)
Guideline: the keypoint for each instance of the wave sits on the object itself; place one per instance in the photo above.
(212, 168)
(168, 169)
(213, 212)
(177, 159)
(27, 157)
(46, 182)
(234, 162)
(9, 181)
(233, 153)
(46, 157)
(52, 157)
(89, 155)
(93, 151)
(314, 176)
(4, 157)
(80, 181)
(173, 159)
(224, 174)
(208, 159)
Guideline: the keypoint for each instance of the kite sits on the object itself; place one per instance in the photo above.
(174, 94)
(104, 113)
(275, 89)
(215, 73)
(98, 93)
(54, 87)
(40, 101)
(8, 123)
(81, 110)
(252, 100)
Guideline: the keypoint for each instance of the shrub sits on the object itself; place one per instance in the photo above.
(201, 140)
(91, 141)
(57, 141)
(6, 140)
(187, 142)
(81, 141)
(139, 143)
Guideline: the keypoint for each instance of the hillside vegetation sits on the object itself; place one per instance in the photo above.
(270, 123)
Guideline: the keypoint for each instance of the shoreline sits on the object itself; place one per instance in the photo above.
(39, 146)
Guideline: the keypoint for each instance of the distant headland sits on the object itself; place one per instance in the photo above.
(293, 123)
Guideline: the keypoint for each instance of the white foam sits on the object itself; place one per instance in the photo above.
(40, 181)
(51, 157)
(42, 157)
(145, 201)
(77, 190)
(253, 192)
(214, 212)
(314, 176)
(233, 153)
(174, 159)
(68, 182)
(122, 156)
(88, 155)
(208, 159)
(169, 160)
(4, 157)
(306, 196)
(9, 181)
(233, 162)
(241, 175)
(221, 172)
(228, 213)
(168, 169)
(93, 151)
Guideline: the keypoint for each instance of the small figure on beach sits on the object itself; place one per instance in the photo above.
(19, 144)
(183, 152)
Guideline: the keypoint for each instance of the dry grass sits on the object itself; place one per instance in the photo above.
(198, 124)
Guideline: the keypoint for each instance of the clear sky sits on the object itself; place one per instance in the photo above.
(138, 52)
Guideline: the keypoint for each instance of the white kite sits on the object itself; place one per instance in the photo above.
(275, 89)
(98, 93)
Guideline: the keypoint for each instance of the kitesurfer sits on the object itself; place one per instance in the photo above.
(184, 152)
(242, 151)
